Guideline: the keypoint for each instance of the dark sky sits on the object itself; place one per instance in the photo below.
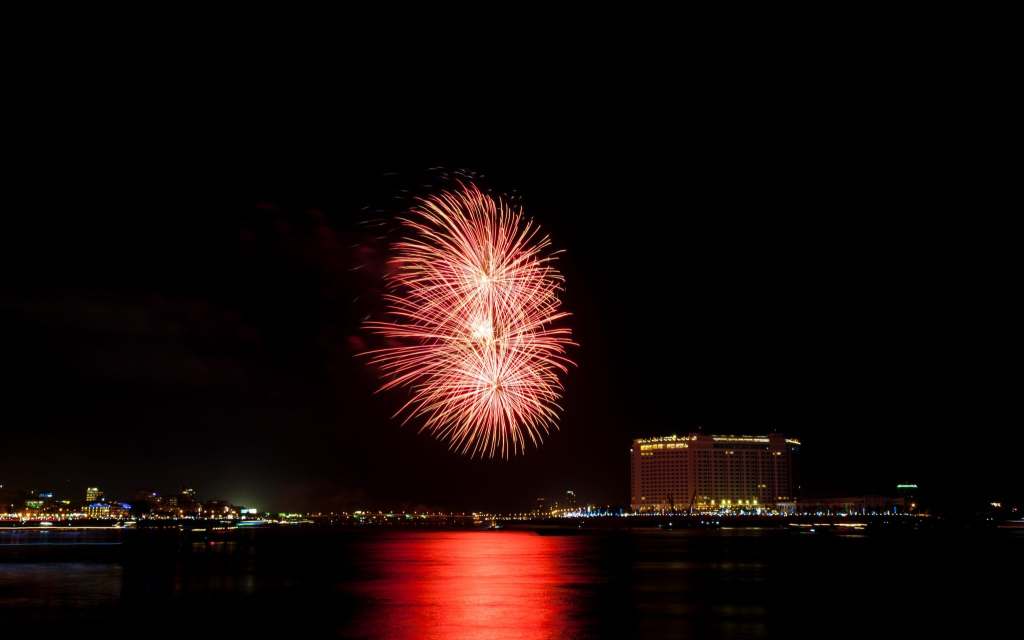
(181, 309)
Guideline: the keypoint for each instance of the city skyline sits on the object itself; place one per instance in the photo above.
(659, 480)
(33, 505)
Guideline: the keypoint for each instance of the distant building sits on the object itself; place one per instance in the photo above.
(908, 491)
(698, 471)
(185, 504)
(93, 494)
(220, 509)
(105, 510)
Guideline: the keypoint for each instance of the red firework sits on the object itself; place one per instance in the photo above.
(474, 307)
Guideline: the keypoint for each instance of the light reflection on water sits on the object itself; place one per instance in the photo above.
(473, 585)
(509, 584)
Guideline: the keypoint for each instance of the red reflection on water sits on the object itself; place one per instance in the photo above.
(479, 585)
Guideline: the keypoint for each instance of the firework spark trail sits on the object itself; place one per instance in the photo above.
(474, 307)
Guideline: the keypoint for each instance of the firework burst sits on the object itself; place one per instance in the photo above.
(473, 312)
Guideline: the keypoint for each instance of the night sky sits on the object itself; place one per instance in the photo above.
(185, 312)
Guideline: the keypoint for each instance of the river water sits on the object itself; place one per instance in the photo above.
(719, 583)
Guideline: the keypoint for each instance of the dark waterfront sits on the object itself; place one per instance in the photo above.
(729, 583)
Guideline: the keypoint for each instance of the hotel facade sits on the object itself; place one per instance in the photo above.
(704, 472)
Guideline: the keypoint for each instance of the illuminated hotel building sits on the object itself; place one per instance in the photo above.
(697, 471)
(115, 510)
(93, 494)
